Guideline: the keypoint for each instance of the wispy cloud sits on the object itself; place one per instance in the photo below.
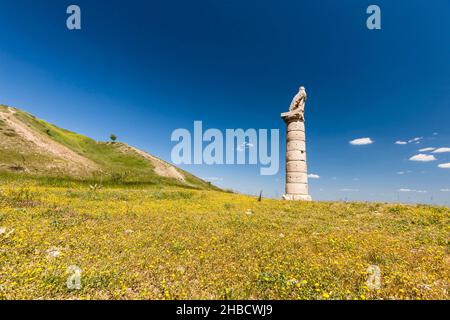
(348, 190)
(444, 165)
(361, 141)
(441, 150)
(413, 140)
(422, 157)
(401, 172)
(313, 176)
(417, 139)
(426, 149)
(213, 179)
(244, 146)
(411, 190)
(445, 190)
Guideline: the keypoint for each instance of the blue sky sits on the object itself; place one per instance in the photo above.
(141, 69)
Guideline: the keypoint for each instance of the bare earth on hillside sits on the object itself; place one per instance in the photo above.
(42, 144)
(162, 168)
(29, 145)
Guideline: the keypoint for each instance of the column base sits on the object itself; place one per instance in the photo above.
(297, 197)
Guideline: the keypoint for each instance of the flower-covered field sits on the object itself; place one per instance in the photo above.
(174, 243)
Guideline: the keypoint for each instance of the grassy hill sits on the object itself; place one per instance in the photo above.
(33, 147)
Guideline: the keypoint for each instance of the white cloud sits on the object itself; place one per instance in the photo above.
(401, 172)
(411, 190)
(422, 157)
(213, 179)
(445, 190)
(444, 165)
(417, 139)
(361, 141)
(435, 133)
(441, 150)
(348, 190)
(313, 176)
(426, 149)
(245, 145)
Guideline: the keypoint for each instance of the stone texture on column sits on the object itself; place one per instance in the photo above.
(296, 167)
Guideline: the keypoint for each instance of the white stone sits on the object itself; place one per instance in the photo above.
(296, 166)
(299, 100)
(296, 145)
(296, 188)
(296, 126)
(297, 177)
(296, 197)
(295, 136)
(296, 155)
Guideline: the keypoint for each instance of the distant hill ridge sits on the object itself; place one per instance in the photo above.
(32, 146)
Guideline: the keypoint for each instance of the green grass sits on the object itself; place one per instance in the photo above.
(115, 166)
(166, 242)
(105, 154)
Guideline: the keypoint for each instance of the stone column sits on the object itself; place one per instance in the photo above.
(296, 168)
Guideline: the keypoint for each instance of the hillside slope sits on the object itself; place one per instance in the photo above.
(34, 147)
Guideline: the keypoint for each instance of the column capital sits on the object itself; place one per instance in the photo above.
(292, 116)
